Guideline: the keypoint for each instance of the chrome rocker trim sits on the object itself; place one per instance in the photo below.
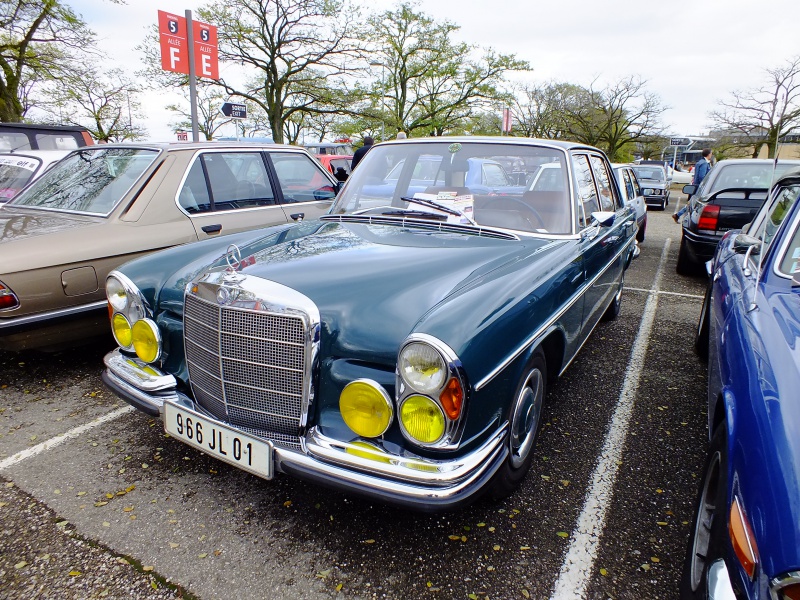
(53, 314)
(404, 480)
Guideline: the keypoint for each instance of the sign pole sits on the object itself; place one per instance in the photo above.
(192, 78)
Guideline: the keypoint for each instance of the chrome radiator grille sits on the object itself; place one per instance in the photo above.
(247, 367)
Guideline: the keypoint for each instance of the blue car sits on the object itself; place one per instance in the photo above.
(398, 347)
(745, 541)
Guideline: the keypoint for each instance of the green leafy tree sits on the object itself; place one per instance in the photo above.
(40, 41)
(430, 83)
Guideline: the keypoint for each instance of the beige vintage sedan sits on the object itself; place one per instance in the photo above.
(104, 205)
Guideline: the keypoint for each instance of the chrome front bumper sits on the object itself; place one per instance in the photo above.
(719, 582)
(409, 481)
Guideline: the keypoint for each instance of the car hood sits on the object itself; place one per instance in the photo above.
(371, 283)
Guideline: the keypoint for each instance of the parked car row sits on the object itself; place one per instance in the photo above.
(394, 336)
(745, 540)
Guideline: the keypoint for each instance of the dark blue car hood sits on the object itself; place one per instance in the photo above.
(373, 283)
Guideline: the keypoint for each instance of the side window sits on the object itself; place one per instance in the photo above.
(587, 193)
(787, 197)
(301, 180)
(637, 191)
(604, 186)
(790, 264)
(494, 175)
(629, 185)
(236, 180)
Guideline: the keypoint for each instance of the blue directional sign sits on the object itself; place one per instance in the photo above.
(234, 111)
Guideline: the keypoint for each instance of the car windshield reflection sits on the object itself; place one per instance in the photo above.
(519, 188)
(88, 181)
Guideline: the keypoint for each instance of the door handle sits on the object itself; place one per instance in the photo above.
(298, 216)
(212, 228)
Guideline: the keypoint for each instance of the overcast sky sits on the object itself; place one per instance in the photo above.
(690, 54)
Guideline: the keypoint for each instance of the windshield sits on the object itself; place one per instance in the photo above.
(88, 181)
(650, 173)
(15, 173)
(748, 175)
(480, 183)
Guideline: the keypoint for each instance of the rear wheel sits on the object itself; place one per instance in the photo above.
(701, 336)
(640, 233)
(612, 312)
(524, 419)
(684, 265)
(709, 527)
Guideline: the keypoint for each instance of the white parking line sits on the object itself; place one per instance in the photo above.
(663, 293)
(60, 439)
(579, 561)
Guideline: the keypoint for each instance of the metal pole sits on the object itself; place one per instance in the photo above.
(192, 78)
(383, 101)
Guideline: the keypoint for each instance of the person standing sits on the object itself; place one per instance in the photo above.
(701, 169)
(359, 154)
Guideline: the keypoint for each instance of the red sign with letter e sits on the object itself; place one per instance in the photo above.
(206, 61)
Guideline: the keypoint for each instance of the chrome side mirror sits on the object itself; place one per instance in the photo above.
(746, 244)
(604, 218)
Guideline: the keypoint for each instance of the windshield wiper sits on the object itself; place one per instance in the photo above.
(414, 213)
(432, 204)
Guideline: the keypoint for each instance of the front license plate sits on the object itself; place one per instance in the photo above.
(222, 442)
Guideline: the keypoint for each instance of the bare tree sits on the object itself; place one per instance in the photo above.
(618, 115)
(538, 109)
(765, 114)
(39, 42)
(105, 103)
(210, 119)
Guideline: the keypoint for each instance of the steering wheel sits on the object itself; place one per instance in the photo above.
(532, 211)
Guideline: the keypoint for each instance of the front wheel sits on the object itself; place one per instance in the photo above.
(709, 528)
(524, 419)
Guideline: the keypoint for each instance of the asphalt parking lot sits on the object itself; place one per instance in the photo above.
(97, 502)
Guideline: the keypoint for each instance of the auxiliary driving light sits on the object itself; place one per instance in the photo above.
(366, 408)
(146, 340)
(422, 419)
(122, 330)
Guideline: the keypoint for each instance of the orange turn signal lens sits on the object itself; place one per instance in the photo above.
(452, 399)
(744, 543)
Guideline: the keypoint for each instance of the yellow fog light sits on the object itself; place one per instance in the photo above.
(366, 408)
(368, 451)
(122, 330)
(146, 340)
(422, 419)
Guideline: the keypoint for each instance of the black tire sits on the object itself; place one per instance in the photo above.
(684, 265)
(612, 312)
(640, 233)
(525, 418)
(710, 524)
(701, 336)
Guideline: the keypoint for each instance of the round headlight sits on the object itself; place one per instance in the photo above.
(366, 408)
(122, 330)
(422, 367)
(422, 419)
(116, 293)
(146, 340)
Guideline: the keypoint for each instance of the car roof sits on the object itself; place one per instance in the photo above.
(193, 146)
(43, 127)
(756, 161)
(509, 140)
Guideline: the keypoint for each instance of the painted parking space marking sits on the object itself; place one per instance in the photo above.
(663, 293)
(585, 540)
(60, 439)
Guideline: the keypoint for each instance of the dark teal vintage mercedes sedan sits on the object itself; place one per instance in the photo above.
(400, 346)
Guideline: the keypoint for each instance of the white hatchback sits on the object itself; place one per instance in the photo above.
(18, 169)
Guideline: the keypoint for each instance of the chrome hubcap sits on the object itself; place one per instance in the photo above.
(525, 420)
